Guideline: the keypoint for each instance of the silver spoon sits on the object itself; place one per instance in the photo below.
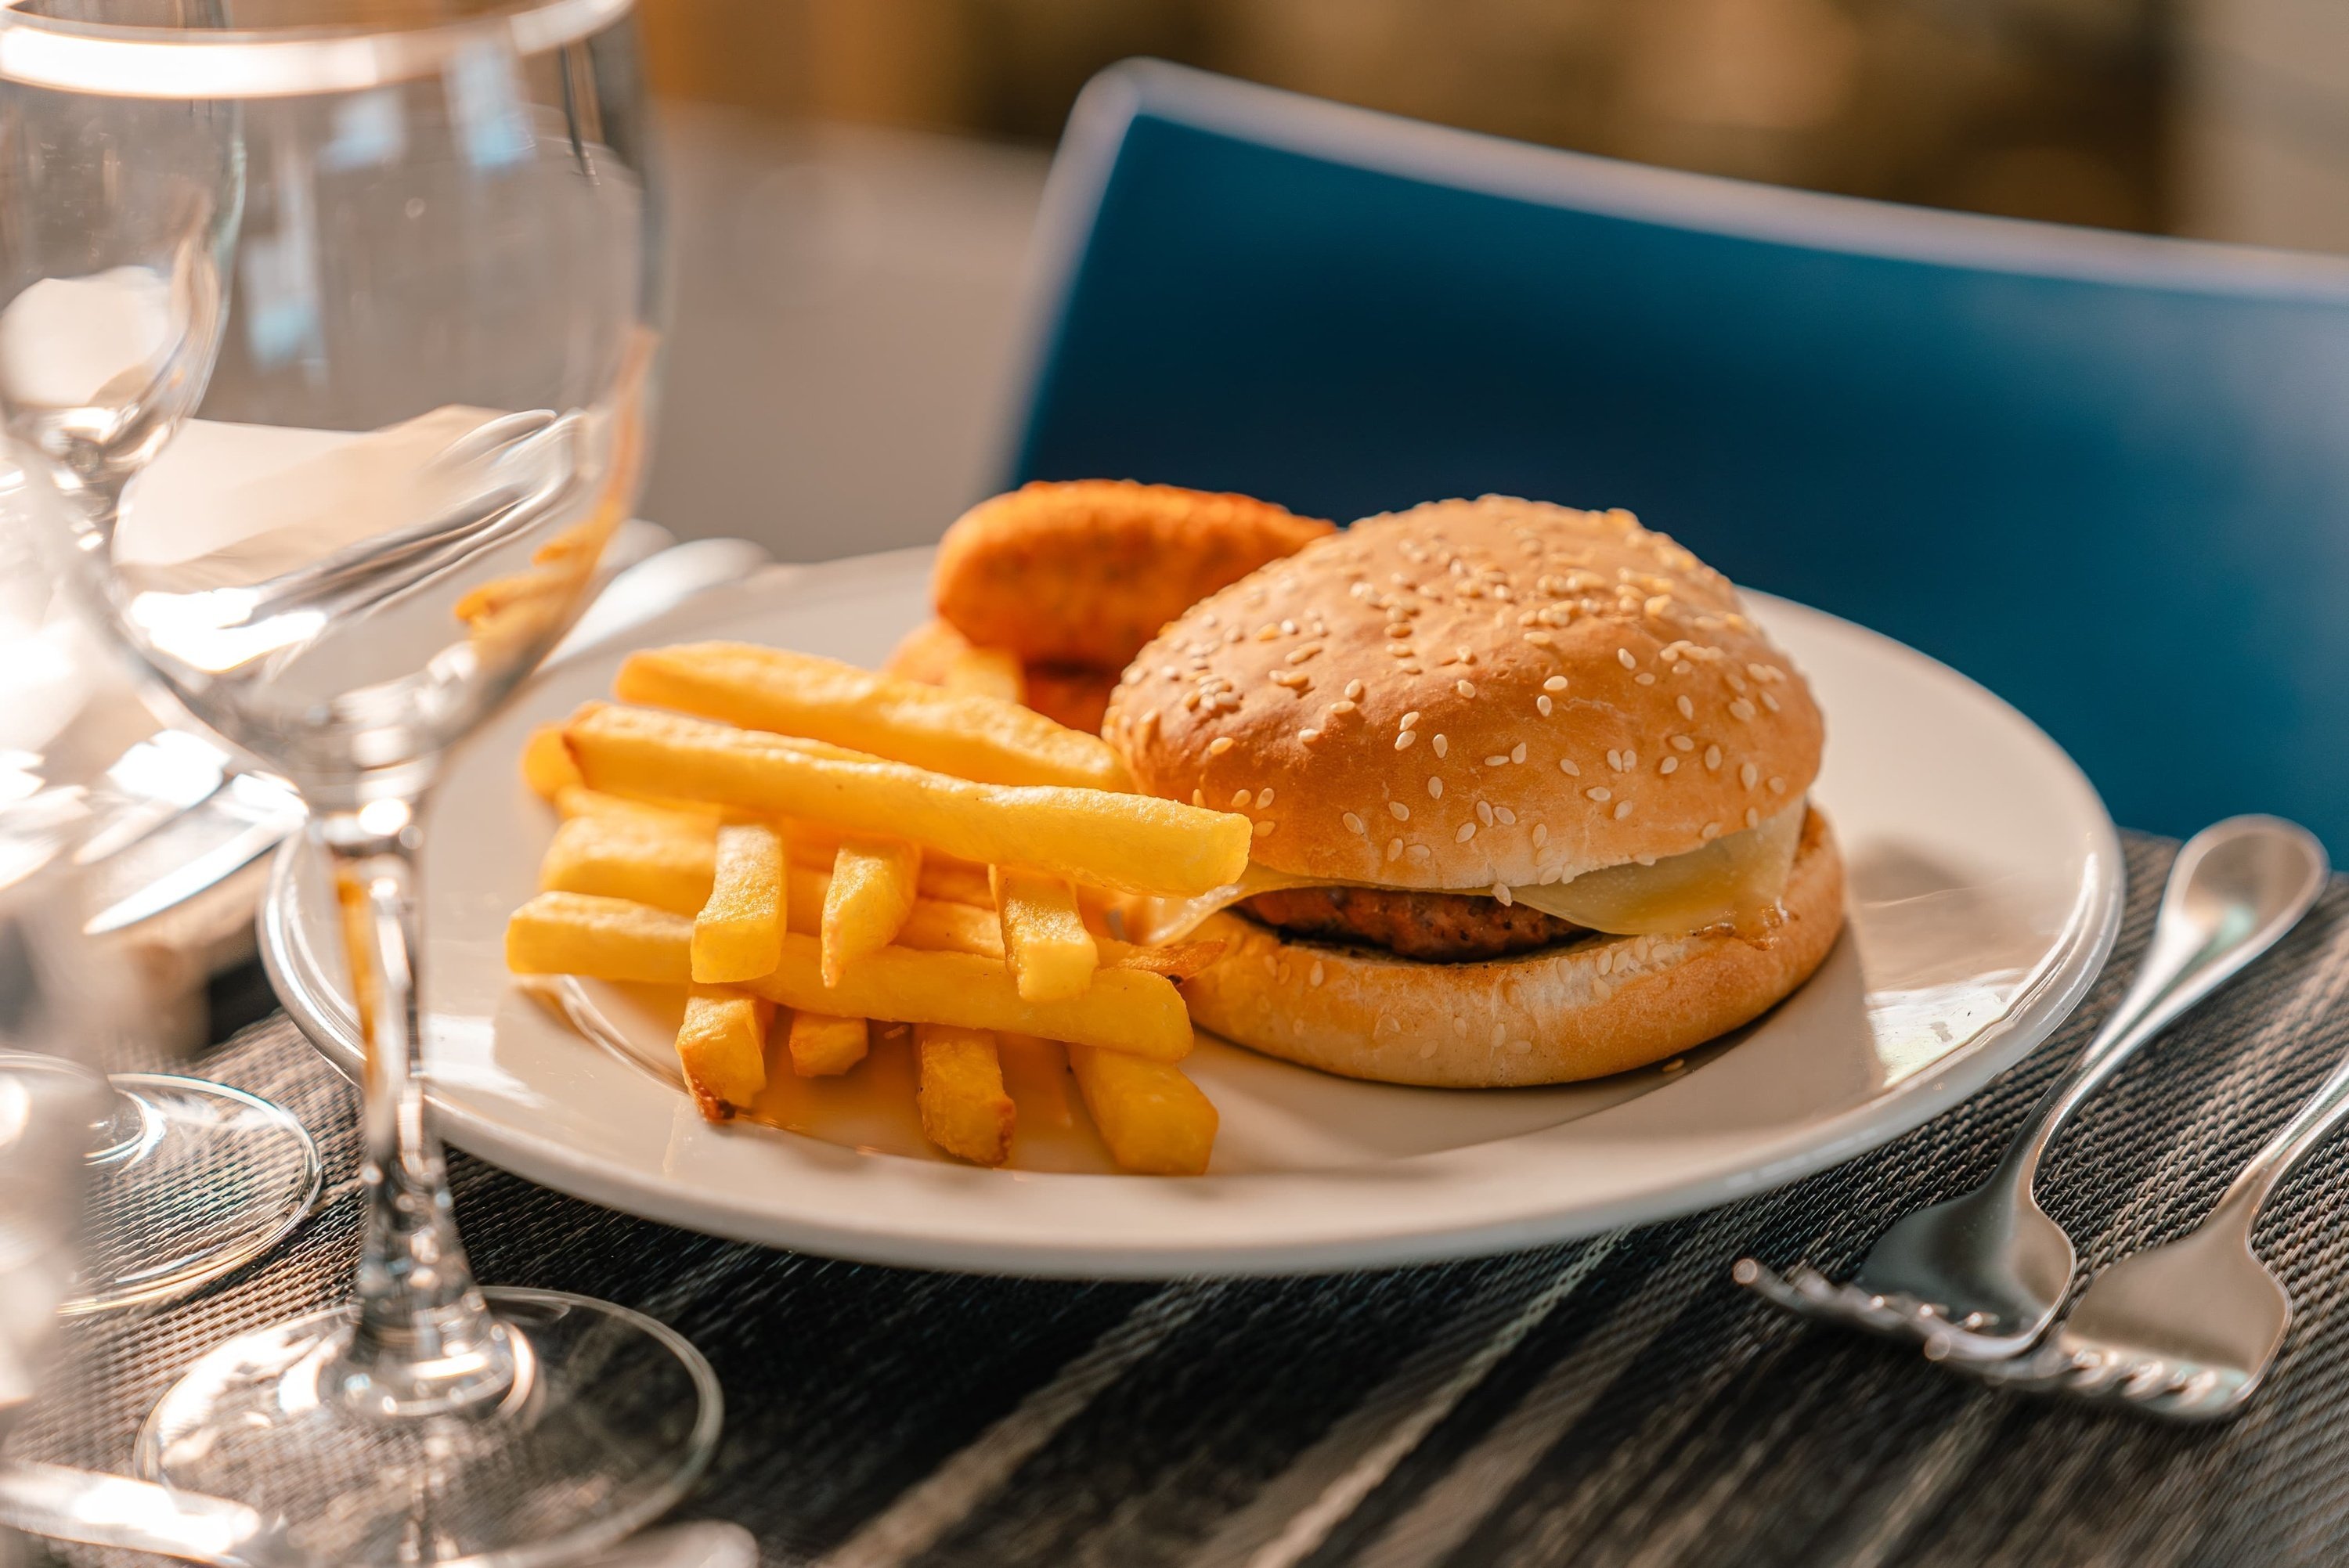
(1981, 1276)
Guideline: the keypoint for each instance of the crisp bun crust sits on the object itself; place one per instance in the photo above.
(1596, 1006)
(1472, 692)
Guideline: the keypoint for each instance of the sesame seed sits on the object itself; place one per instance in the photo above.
(1683, 667)
(1606, 963)
(1442, 745)
(1298, 655)
(1542, 705)
(1777, 786)
(1400, 650)
(1623, 810)
(1218, 746)
(1600, 990)
(1353, 690)
(1264, 796)
(1753, 818)
(1308, 735)
(1682, 743)
(1600, 793)
(1313, 976)
(1541, 834)
(1501, 891)
(1394, 849)
(1668, 765)
(1485, 812)
(1644, 678)
(1465, 688)
(1435, 788)
(1288, 628)
(1354, 823)
(1630, 759)
(1623, 657)
(1410, 720)
(1688, 708)
(1406, 738)
(1264, 829)
(1710, 831)
(1555, 683)
(1769, 701)
(1242, 798)
(1198, 796)
(1399, 812)
(1736, 682)
(1518, 752)
(1748, 774)
(1566, 765)
(1742, 708)
(1342, 707)
(1675, 1065)
(1506, 817)
(1467, 832)
(1712, 756)
(1418, 854)
(1615, 759)
(1538, 639)
(1190, 702)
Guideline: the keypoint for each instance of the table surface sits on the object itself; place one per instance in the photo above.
(1609, 1401)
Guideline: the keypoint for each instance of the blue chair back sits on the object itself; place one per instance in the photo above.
(2106, 476)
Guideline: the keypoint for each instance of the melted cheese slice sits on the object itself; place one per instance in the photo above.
(1731, 880)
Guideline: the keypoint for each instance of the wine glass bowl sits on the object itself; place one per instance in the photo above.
(338, 512)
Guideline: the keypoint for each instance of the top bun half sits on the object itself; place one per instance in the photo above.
(1472, 693)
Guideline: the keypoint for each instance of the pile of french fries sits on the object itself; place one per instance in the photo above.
(810, 849)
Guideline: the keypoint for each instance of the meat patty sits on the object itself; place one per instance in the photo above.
(1438, 927)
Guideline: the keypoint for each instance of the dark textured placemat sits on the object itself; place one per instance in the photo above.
(1609, 1401)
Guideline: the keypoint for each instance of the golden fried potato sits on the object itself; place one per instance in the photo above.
(1052, 955)
(927, 653)
(1129, 843)
(963, 1109)
(872, 890)
(825, 1047)
(546, 764)
(722, 1046)
(989, 672)
(1154, 1119)
(629, 857)
(1085, 572)
(983, 738)
(738, 934)
(601, 938)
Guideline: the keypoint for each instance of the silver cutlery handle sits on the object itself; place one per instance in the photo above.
(92, 1509)
(2192, 955)
(2240, 1203)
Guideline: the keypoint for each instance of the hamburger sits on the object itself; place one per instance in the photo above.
(1529, 792)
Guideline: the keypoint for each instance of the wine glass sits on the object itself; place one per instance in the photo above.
(344, 480)
(189, 1179)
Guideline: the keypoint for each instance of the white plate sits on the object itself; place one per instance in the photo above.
(1986, 888)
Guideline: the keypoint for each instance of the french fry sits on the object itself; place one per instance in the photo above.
(941, 925)
(546, 764)
(1179, 962)
(971, 737)
(578, 800)
(986, 672)
(609, 939)
(601, 938)
(739, 933)
(1130, 843)
(1121, 1010)
(631, 857)
(823, 1046)
(963, 1109)
(1153, 1118)
(943, 876)
(722, 1046)
(1050, 954)
(871, 893)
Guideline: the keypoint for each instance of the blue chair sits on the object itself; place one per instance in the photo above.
(2106, 476)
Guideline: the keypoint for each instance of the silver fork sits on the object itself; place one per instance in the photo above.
(2189, 1329)
(1981, 1276)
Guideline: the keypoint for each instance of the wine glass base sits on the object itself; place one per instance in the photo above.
(192, 1180)
(611, 1418)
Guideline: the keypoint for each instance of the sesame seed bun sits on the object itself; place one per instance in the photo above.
(1472, 693)
(1602, 1005)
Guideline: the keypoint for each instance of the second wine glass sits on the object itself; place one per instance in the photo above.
(340, 505)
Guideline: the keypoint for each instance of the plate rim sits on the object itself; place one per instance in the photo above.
(2062, 981)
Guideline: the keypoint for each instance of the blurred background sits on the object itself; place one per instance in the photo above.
(855, 179)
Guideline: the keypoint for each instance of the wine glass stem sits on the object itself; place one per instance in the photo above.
(422, 1341)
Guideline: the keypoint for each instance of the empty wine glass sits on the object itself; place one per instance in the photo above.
(339, 472)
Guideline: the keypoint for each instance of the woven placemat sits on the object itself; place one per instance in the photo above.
(1613, 1401)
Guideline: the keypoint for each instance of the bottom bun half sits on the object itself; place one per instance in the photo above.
(1596, 1006)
